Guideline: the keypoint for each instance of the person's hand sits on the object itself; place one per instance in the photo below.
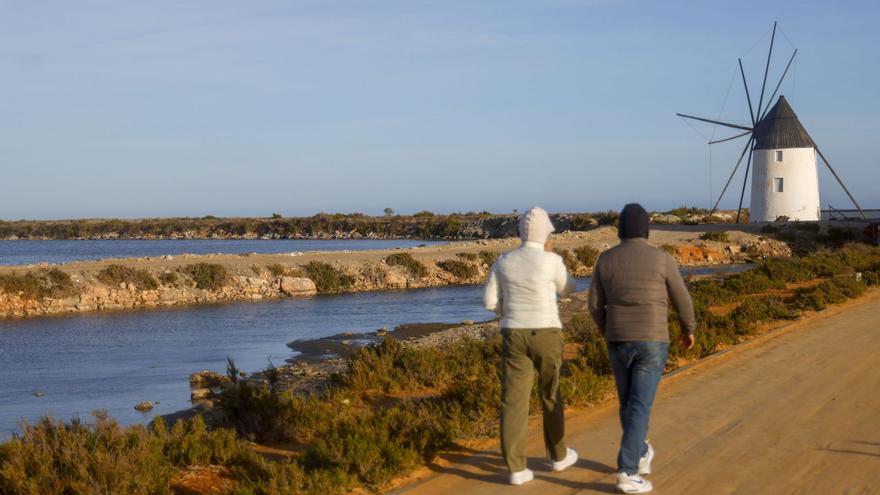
(688, 341)
(548, 246)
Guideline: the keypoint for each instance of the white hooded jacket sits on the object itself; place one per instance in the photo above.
(524, 283)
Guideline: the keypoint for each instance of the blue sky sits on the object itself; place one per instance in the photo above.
(161, 108)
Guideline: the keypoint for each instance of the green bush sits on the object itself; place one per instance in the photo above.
(168, 278)
(460, 269)
(50, 457)
(40, 284)
(118, 274)
(415, 267)
(489, 257)
(756, 310)
(468, 256)
(208, 276)
(717, 236)
(571, 263)
(326, 277)
(277, 269)
(586, 255)
(833, 291)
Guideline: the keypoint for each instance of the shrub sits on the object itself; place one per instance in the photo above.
(607, 218)
(756, 310)
(168, 278)
(571, 263)
(468, 256)
(489, 257)
(52, 457)
(118, 274)
(415, 267)
(829, 292)
(717, 236)
(208, 276)
(586, 255)
(46, 283)
(460, 269)
(326, 277)
(277, 269)
(669, 249)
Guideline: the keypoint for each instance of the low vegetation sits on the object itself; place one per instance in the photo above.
(39, 284)
(571, 262)
(415, 267)
(488, 257)
(586, 255)
(327, 278)
(458, 268)
(117, 274)
(395, 407)
(208, 276)
(468, 256)
(717, 236)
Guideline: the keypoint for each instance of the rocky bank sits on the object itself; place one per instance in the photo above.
(255, 277)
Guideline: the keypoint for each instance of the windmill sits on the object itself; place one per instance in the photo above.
(785, 181)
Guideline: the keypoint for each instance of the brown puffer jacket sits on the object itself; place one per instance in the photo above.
(632, 285)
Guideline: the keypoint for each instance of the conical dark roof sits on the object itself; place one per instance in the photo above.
(781, 129)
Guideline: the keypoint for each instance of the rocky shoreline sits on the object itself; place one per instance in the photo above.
(256, 277)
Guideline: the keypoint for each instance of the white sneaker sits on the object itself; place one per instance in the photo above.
(571, 456)
(633, 483)
(645, 462)
(521, 477)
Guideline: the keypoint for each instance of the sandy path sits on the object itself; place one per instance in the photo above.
(795, 411)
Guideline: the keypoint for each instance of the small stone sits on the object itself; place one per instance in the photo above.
(144, 406)
(467, 322)
(39, 393)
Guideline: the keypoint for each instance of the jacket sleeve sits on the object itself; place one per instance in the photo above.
(679, 296)
(565, 283)
(596, 299)
(492, 297)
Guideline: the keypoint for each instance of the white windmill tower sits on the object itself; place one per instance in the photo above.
(785, 183)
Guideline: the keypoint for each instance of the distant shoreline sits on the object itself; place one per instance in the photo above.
(163, 281)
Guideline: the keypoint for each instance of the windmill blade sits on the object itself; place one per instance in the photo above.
(726, 124)
(745, 181)
(730, 138)
(767, 67)
(748, 98)
(770, 101)
(827, 164)
(748, 146)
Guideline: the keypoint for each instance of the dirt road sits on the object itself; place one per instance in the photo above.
(795, 411)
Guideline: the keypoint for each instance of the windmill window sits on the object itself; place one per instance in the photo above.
(777, 182)
(778, 155)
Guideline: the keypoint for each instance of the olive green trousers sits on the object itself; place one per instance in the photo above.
(523, 352)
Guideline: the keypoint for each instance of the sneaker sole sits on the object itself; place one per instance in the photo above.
(624, 490)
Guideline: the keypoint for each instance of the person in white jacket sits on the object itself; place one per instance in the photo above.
(522, 288)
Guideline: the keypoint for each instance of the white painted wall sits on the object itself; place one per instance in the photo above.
(799, 199)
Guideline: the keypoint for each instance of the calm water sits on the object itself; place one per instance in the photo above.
(31, 252)
(114, 360)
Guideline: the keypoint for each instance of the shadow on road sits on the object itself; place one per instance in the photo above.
(490, 468)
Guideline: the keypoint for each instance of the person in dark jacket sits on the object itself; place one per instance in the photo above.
(632, 285)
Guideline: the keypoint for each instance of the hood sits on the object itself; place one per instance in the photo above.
(633, 222)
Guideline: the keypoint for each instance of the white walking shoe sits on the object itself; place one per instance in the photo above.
(645, 462)
(521, 477)
(633, 483)
(571, 456)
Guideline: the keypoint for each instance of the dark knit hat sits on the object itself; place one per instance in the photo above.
(633, 222)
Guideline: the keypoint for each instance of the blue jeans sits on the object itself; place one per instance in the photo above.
(637, 370)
